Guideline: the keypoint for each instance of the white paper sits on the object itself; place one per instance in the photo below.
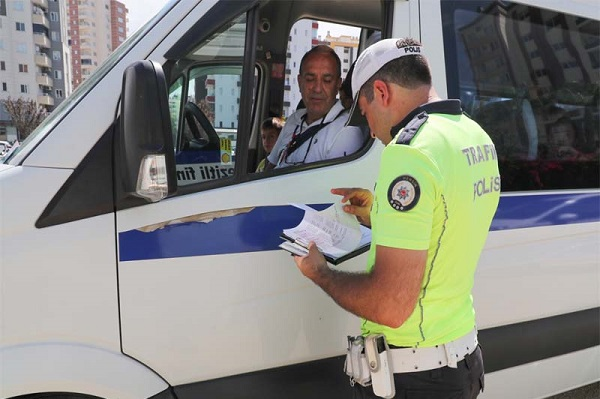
(334, 231)
(294, 248)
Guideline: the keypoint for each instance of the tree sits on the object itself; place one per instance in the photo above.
(25, 114)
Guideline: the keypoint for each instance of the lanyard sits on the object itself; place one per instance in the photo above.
(294, 143)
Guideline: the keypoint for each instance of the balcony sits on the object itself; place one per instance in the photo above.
(42, 60)
(40, 3)
(85, 26)
(44, 80)
(41, 40)
(46, 100)
(40, 19)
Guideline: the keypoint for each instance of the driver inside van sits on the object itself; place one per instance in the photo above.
(318, 131)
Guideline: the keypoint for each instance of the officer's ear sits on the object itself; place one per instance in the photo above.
(381, 91)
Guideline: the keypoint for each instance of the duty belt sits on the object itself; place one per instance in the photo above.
(409, 360)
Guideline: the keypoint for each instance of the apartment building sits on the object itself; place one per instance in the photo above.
(33, 55)
(118, 23)
(346, 47)
(303, 37)
(96, 28)
(60, 52)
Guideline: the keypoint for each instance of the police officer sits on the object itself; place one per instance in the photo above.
(435, 197)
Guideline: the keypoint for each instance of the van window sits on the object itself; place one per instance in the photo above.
(175, 96)
(216, 131)
(204, 105)
(530, 77)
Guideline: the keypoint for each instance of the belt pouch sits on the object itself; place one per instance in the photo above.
(379, 358)
(356, 366)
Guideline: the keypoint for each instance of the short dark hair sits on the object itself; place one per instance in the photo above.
(272, 123)
(323, 49)
(409, 72)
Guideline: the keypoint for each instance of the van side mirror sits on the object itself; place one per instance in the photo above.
(145, 155)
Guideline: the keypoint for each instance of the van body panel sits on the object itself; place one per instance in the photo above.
(531, 380)
(63, 277)
(505, 279)
(53, 366)
(253, 281)
(430, 30)
(189, 295)
(4, 168)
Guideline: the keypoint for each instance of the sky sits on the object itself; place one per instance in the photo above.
(141, 11)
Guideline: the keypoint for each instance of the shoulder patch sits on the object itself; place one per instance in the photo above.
(412, 128)
(403, 193)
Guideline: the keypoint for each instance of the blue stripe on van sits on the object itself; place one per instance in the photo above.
(259, 229)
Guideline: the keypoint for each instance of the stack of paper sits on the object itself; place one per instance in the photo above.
(337, 234)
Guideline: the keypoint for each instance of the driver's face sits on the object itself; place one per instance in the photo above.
(319, 84)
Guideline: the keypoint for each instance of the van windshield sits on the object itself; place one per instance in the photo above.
(65, 107)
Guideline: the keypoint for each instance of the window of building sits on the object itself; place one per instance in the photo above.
(55, 36)
(2, 65)
(57, 74)
(21, 48)
(23, 68)
(53, 16)
(56, 55)
(24, 89)
(4, 86)
(59, 93)
(20, 26)
(18, 6)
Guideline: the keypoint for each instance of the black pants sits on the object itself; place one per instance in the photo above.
(463, 382)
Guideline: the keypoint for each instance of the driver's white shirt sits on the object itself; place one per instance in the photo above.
(332, 141)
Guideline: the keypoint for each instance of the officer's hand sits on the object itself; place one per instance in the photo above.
(312, 264)
(361, 201)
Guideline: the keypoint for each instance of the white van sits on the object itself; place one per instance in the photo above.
(139, 252)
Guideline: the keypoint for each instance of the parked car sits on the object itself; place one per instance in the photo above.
(4, 147)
